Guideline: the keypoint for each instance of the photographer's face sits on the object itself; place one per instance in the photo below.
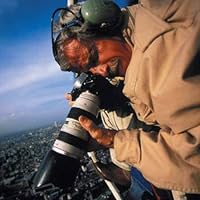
(113, 57)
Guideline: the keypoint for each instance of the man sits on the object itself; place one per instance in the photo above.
(160, 63)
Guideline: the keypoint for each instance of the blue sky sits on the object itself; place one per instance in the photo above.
(32, 86)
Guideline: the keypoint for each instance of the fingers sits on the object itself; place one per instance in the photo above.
(68, 97)
(102, 136)
(89, 126)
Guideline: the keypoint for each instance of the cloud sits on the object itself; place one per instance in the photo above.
(31, 105)
(45, 100)
(27, 63)
(23, 77)
(8, 117)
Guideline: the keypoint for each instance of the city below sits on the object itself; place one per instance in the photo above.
(20, 157)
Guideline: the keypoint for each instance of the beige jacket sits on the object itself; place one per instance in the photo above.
(163, 84)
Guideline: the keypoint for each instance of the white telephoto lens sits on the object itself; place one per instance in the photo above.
(72, 139)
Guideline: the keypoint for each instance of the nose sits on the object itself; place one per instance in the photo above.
(100, 70)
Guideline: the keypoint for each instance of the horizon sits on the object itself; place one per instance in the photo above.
(30, 129)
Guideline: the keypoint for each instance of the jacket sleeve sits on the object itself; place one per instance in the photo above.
(162, 156)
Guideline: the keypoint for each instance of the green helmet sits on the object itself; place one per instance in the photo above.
(102, 14)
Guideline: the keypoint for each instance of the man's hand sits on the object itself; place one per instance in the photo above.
(103, 136)
(68, 97)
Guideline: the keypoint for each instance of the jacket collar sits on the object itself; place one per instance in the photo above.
(148, 27)
(157, 7)
(147, 21)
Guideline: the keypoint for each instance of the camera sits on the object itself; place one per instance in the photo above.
(72, 139)
(61, 164)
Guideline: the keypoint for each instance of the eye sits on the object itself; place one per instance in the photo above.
(113, 62)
